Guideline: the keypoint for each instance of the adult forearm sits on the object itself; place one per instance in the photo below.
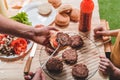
(8, 26)
(114, 33)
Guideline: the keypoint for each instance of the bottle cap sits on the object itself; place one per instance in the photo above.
(87, 6)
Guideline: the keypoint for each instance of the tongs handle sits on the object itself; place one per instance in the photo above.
(104, 41)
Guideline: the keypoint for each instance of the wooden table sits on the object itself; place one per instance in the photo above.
(14, 70)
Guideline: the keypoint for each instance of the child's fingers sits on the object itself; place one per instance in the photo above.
(102, 70)
(101, 56)
(104, 63)
(102, 67)
(104, 60)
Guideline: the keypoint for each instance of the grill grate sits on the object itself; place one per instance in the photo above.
(88, 54)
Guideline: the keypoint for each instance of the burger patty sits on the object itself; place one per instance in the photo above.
(70, 56)
(76, 41)
(80, 71)
(49, 49)
(54, 65)
(63, 39)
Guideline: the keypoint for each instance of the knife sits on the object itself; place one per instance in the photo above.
(29, 60)
(50, 56)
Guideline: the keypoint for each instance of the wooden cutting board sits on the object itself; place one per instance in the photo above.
(107, 46)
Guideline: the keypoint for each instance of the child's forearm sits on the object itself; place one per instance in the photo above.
(114, 33)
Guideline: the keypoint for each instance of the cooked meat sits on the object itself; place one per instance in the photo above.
(70, 56)
(63, 39)
(80, 71)
(76, 41)
(54, 65)
(49, 49)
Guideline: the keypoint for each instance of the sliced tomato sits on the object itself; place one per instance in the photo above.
(1, 38)
(19, 45)
(53, 42)
(2, 42)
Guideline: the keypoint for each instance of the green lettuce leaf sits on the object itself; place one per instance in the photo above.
(22, 17)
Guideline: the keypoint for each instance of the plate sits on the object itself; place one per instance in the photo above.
(34, 17)
(87, 54)
(12, 55)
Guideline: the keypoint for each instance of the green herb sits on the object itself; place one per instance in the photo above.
(22, 17)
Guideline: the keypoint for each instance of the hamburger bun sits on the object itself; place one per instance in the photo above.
(62, 20)
(45, 9)
(55, 3)
(75, 15)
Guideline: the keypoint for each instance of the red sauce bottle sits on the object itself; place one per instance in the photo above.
(86, 8)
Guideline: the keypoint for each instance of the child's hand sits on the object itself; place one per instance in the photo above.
(106, 66)
(100, 31)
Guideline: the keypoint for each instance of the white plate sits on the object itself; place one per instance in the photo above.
(32, 10)
(17, 57)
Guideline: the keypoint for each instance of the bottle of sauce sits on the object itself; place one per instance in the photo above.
(86, 8)
(3, 8)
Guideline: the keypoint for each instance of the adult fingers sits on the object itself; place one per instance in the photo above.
(27, 77)
(46, 41)
(39, 26)
(31, 73)
(52, 28)
(43, 40)
(39, 70)
(42, 76)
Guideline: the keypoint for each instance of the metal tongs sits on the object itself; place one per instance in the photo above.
(51, 55)
(100, 44)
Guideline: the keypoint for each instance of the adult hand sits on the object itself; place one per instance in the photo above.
(37, 76)
(42, 34)
(100, 31)
(106, 66)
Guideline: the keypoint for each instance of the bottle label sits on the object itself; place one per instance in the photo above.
(85, 22)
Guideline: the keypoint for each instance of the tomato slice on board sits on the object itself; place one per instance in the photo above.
(19, 45)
